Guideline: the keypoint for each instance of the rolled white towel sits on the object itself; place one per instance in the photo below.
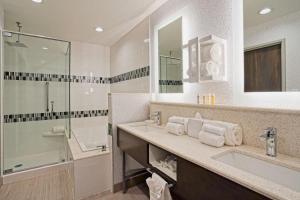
(177, 120)
(233, 134)
(218, 130)
(177, 129)
(194, 126)
(58, 129)
(211, 139)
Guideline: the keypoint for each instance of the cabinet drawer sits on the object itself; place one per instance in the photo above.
(195, 182)
(133, 146)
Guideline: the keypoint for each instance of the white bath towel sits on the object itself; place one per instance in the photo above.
(211, 139)
(177, 129)
(218, 130)
(158, 188)
(177, 120)
(58, 129)
(194, 126)
(233, 134)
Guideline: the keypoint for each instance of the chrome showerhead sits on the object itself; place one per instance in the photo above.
(18, 43)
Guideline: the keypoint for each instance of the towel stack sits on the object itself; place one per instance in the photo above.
(176, 125)
(218, 133)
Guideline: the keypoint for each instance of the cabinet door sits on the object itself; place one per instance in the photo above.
(133, 146)
(195, 182)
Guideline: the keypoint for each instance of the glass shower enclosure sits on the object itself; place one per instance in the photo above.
(35, 101)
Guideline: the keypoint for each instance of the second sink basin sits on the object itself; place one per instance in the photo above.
(276, 173)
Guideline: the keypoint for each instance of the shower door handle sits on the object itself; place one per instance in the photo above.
(47, 96)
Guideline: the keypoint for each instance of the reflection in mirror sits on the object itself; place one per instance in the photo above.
(272, 45)
(170, 58)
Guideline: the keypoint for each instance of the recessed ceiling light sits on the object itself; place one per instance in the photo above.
(37, 1)
(45, 48)
(99, 29)
(265, 11)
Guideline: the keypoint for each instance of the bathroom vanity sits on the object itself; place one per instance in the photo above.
(198, 175)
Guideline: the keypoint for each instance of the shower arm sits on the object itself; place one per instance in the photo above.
(47, 96)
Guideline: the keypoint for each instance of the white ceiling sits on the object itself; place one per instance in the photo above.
(76, 20)
(279, 9)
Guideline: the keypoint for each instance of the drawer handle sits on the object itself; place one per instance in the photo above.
(169, 185)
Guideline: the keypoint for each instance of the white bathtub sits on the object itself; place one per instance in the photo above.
(91, 138)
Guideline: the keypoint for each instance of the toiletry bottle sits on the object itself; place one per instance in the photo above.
(213, 99)
(203, 99)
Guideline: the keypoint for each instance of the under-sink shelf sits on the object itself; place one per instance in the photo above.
(157, 159)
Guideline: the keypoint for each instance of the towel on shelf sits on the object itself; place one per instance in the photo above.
(211, 139)
(194, 126)
(58, 129)
(233, 132)
(158, 188)
(177, 129)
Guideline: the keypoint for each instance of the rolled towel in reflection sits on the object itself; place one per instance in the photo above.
(58, 129)
(177, 129)
(211, 139)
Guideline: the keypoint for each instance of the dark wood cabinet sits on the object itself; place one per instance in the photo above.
(133, 146)
(193, 182)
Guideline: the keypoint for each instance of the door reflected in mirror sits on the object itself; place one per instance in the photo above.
(272, 45)
(170, 57)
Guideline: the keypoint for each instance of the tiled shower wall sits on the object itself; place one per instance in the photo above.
(131, 54)
(89, 93)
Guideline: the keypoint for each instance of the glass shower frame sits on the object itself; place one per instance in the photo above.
(67, 66)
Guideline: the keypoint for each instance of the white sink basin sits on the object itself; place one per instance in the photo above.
(146, 128)
(278, 174)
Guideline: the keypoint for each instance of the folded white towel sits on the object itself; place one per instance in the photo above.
(198, 115)
(233, 134)
(177, 129)
(158, 188)
(194, 126)
(218, 130)
(176, 119)
(58, 129)
(211, 139)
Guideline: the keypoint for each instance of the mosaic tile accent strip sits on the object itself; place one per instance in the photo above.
(134, 74)
(14, 118)
(170, 82)
(23, 76)
(109, 129)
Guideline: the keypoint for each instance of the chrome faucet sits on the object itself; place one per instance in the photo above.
(157, 117)
(270, 135)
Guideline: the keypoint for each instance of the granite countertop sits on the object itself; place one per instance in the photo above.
(203, 155)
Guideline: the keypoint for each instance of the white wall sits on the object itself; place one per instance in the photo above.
(130, 53)
(264, 99)
(287, 28)
(89, 60)
(199, 19)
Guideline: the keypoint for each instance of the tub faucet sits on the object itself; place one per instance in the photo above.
(270, 135)
(157, 117)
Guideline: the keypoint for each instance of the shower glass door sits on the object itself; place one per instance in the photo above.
(36, 101)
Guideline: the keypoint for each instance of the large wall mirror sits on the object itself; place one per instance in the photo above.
(170, 57)
(272, 45)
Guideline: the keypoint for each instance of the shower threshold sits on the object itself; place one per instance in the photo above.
(22, 163)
